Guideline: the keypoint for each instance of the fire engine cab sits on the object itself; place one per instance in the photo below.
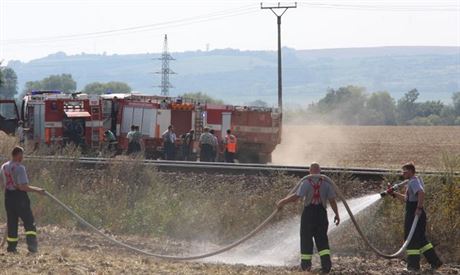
(9, 116)
(53, 117)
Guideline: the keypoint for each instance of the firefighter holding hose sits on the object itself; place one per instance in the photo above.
(17, 203)
(317, 191)
(414, 199)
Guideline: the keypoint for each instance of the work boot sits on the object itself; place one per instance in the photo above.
(11, 248)
(432, 259)
(305, 265)
(413, 262)
(32, 244)
(326, 264)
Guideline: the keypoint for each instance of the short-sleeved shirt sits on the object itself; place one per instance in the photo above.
(13, 173)
(111, 136)
(169, 136)
(208, 138)
(413, 187)
(134, 136)
(307, 190)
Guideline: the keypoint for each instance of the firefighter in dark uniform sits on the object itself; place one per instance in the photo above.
(317, 191)
(414, 199)
(17, 203)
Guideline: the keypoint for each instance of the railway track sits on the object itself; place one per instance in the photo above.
(228, 168)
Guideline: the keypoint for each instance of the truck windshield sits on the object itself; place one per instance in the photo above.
(8, 110)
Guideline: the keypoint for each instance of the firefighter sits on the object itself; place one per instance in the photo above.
(17, 203)
(215, 149)
(207, 143)
(187, 145)
(414, 199)
(134, 140)
(317, 192)
(20, 133)
(230, 147)
(169, 143)
(111, 140)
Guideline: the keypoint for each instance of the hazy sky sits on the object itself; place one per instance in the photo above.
(35, 28)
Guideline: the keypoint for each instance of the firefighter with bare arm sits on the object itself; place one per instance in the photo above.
(230, 147)
(317, 191)
(17, 203)
(414, 199)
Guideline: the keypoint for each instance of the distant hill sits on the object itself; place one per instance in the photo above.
(242, 76)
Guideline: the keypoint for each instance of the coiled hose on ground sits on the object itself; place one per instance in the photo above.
(246, 237)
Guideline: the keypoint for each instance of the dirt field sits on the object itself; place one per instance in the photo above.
(76, 252)
(367, 146)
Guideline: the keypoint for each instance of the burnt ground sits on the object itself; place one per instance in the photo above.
(65, 251)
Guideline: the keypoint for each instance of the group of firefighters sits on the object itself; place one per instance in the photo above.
(208, 142)
(316, 192)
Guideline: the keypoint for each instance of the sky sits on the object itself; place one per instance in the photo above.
(31, 29)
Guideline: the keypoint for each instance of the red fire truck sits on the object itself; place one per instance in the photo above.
(57, 118)
(53, 117)
(258, 129)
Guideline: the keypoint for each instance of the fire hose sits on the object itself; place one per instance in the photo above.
(244, 238)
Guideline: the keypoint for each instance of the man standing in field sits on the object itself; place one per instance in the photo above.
(207, 145)
(230, 147)
(316, 191)
(17, 203)
(414, 199)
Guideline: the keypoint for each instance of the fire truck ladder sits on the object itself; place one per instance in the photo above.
(95, 127)
(199, 121)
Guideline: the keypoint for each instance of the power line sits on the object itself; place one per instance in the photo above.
(161, 25)
(165, 70)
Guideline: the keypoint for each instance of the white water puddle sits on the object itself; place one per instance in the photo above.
(279, 244)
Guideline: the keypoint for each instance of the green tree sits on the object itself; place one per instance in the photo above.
(257, 103)
(456, 101)
(8, 83)
(63, 83)
(428, 108)
(382, 109)
(344, 105)
(202, 97)
(103, 88)
(407, 107)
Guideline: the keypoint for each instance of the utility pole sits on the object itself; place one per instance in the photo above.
(165, 70)
(283, 9)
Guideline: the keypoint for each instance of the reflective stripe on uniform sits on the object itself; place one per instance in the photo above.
(324, 252)
(426, 248)
(12, 239)
(305, 256)
(31, 233)
(411, 252)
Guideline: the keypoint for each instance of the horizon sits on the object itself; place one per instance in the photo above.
(229, 49)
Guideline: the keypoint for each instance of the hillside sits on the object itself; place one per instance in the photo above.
(242, 76)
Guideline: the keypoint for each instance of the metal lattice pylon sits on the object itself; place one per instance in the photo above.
(165, 70)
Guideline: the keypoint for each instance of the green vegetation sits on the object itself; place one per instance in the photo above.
(109, 87)
(62, 82)
(202, 97)
(8, 83)
(352, 105)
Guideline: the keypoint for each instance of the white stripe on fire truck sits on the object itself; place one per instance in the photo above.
(256, 129)
(93, 123)
(215, 127)
(53, 124)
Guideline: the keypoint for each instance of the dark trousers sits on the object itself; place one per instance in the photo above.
(229, 157)
(134, 148)
(206, 153)
(17, 206)
(313, 225)
(419, 243)
(169, 150)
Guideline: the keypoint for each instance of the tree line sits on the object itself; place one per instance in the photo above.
(352, 105)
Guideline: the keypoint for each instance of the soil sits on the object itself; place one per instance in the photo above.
(65, 251)
(367, 146)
